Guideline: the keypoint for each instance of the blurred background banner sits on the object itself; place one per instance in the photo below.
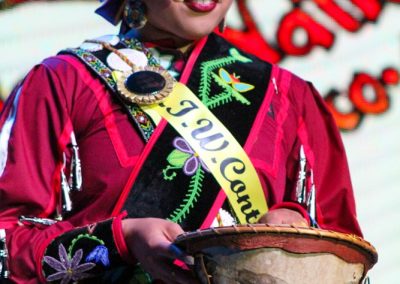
(349, 49)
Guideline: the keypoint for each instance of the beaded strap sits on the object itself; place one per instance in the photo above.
(143, 122)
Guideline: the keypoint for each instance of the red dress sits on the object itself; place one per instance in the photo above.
(60, 97)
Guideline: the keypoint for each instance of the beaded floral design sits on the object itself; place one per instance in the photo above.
(68, 268)
(185, 158)
(232, 87)
(99, 255)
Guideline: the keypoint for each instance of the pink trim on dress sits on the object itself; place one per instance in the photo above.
(98, 90)
(284, 79)
(258, 122)
(142, 158)
(157, 132)
(62, 143)
(192, 60)
(303, 135)
(119, 239)
(219, 201)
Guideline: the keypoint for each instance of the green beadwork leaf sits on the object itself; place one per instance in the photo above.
(194, 191)
(178, 158)
(240, 98)
(80, 237)
(235, 53)
(219, 99)
(206, 69)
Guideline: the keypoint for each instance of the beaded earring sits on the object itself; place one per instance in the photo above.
(134, 14)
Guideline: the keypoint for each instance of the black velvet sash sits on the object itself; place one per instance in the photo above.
(188, 199)
(222, 78)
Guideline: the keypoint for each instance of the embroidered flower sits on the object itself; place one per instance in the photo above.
(99, 255)
(68, 269)
(193, 160)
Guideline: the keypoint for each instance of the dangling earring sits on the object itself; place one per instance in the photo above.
(134, 14)
(222, 25)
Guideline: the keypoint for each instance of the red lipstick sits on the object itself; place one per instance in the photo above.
(201, 6)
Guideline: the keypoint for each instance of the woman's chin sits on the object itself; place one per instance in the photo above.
(181, 38)
(194, 34)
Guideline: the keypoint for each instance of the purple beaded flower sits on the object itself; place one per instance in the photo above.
(193, 160)
(68, 269)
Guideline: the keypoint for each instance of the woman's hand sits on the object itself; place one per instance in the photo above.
(284, 216)
(149, 241)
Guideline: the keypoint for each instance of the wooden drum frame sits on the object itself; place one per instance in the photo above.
(266, 254)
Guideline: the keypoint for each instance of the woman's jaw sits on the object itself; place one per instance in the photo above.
(182, 21)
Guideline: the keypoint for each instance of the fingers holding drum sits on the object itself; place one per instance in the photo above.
(284, 216)
(167, 272)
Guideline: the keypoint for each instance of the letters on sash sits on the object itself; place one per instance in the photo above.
(219, 150)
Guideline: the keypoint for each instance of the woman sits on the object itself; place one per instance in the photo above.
(92, 184)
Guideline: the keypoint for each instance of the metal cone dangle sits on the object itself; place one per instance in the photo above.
(145, 85)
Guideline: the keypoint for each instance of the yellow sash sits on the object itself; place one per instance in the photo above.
(218, 149)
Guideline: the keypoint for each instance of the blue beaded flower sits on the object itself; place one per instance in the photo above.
(99, 255)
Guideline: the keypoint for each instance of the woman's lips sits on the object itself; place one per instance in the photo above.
(201, 6)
